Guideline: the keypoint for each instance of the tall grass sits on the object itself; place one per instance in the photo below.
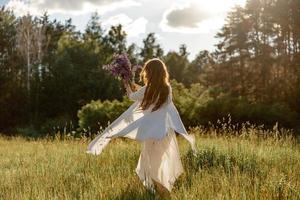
(244, 163)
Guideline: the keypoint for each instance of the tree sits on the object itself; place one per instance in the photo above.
(200, 69)
(233, 51)
(177, 64)
(77, 77)
(116, 40)
(31, 40)
(151, 48)
(13, 110)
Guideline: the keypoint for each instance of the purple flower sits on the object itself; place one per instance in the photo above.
(136, 68)
(121, 67)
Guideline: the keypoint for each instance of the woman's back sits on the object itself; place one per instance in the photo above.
(139, 95)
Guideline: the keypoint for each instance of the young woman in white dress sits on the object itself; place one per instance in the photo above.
(153, 120)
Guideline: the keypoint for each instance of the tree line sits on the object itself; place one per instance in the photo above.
(49, 70)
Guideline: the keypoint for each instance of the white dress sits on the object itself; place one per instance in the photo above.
(160, 161)
(160, 158)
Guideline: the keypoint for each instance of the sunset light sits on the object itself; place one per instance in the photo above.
(149, 99)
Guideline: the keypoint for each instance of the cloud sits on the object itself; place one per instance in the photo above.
(132, 27)
(196, 16)
(76, 7)
(186, 17)
(20, 8)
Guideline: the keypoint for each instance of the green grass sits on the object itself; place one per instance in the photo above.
(248, 166)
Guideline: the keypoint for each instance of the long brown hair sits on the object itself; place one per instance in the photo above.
(156, 78)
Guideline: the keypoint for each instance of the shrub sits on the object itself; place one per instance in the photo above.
(62, 125)
(189, 100)
(27, 131)
(242, 110)
(197, 105)
(98, 114)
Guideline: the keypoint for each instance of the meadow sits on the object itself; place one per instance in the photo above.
(250, 164)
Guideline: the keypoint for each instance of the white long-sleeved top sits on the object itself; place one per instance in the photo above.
(142, 125)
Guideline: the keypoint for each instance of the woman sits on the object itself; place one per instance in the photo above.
(151, 119)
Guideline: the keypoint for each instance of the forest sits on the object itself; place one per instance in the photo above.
(52, 76)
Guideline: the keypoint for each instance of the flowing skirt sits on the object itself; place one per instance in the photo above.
(160, 161)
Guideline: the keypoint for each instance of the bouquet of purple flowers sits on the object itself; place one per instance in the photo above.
(121, 67)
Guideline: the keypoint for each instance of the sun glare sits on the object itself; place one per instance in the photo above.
(219, 6)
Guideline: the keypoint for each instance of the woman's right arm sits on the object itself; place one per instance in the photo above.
(134, 95)
(127, 87)
(135, 86)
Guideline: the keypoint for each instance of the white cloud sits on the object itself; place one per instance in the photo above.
(76, 7)
(20, 8)
(197, 16)
(132, 27)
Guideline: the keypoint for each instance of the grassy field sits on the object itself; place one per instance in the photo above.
(249, 166)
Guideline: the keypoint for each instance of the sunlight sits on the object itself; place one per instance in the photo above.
(219, 6)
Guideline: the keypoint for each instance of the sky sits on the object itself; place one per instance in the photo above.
(175, 22)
